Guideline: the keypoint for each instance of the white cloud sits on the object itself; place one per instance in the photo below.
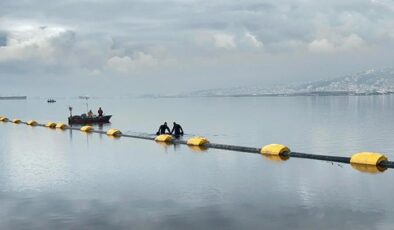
(339, 44)
(228, 41)
(352, 41)
(126, 64)
(251, 40)
(321, 45)
(215, 39)
(225, 41)
(385, 3)
(26, 40)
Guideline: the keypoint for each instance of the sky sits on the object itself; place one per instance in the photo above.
(109, 47)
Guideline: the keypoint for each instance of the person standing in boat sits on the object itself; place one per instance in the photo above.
(100, 112)
(177, 130)
(163, 128)
(90, 113)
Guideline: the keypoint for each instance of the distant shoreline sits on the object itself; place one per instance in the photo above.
(300, 94)
(14, 98)
(318, 94)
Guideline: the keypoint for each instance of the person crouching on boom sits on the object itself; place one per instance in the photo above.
(163, 128)
(177, 130)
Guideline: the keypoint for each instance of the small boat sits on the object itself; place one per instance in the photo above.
(84, 97)
(51, 100)
(84, 119)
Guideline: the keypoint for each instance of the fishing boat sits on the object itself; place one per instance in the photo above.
(84, 119)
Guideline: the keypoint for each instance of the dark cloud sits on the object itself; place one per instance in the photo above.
(3, 39)
(221, 39)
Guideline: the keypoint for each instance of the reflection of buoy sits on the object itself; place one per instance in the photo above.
(164, 144)
(372, 169)
(32, 123)
(51, 125)
(114, 133)
(61, 126)
(276, 158)
(164, 138)
(274, 149)
(16, 121)
(198, 149)
(86, 129)
(367, 158)
(197, 141)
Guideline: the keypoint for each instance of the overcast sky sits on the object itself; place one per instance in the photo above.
(75, 47)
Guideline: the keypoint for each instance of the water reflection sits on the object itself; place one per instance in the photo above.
(53, 179)
(198, 149)
(165, 145)
(178, 147)
(56, 212)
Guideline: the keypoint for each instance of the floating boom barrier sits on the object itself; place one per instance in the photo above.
(370, 162)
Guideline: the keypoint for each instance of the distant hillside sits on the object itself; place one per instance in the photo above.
(363, 83)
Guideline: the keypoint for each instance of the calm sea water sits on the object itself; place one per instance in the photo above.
(52, 179)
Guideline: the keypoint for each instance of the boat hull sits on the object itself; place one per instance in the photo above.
(89, 120)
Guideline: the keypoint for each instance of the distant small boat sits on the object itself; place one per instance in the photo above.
(51, 100)
(83, 119)
(84, 97)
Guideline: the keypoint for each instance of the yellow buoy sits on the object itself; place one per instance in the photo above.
(87, 128)
(114, 132)
(61, 126)
(32, 123)
(16, 121)
(197, 141)
(275, 158)
(274, 149)
(51, 125)
(367, 158)
(372, 169)
(164, 138)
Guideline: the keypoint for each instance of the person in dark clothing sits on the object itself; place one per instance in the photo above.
(90, 113)
(100, 112)
(177, 130)
(163, 128)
